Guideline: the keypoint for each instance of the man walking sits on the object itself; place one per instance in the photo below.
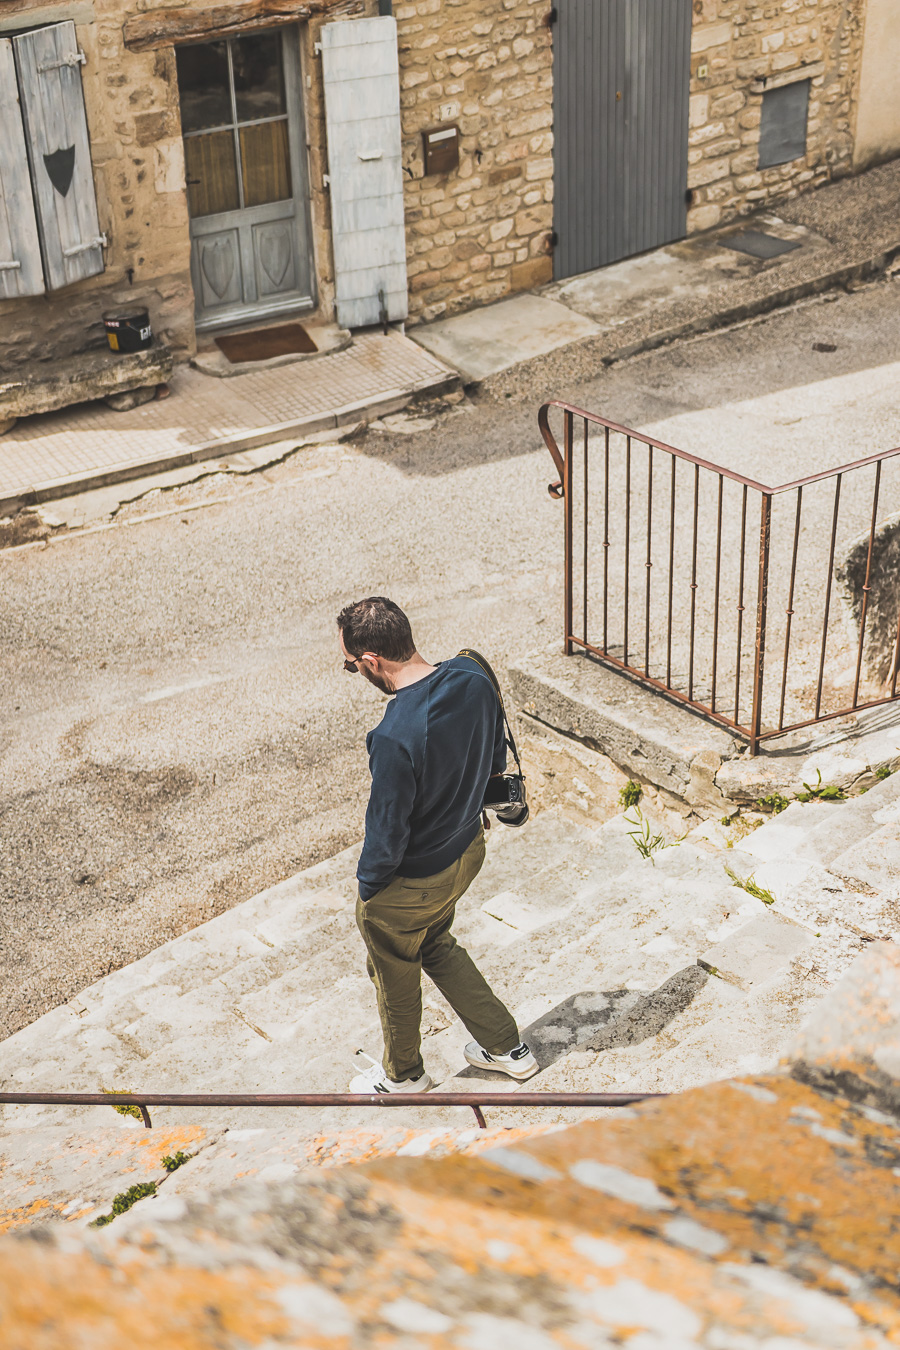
(440, 739)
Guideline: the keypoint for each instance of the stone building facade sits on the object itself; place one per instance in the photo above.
(481, 70)
(485, 65)
(741, 50)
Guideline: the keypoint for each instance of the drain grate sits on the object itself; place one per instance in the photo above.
(759, 245)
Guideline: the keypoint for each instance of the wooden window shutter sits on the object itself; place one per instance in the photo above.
(362, 115)
(20, 250)
(48, 62)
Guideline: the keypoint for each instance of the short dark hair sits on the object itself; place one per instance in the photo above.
(378, 626)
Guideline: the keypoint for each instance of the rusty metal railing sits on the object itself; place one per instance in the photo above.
(684, 520)
(475, 1100)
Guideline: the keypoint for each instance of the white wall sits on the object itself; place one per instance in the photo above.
(878, 111)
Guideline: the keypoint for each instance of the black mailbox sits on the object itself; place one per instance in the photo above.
(441, 149)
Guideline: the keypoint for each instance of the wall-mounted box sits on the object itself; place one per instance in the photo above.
(440, 147)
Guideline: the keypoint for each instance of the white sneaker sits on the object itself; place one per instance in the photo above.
(375, 1079)
(519, 1063)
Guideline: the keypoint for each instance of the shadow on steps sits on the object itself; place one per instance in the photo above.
(604, 1021)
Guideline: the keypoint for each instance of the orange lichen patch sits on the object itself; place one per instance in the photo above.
(57, 1173)
(11, 1219)
(150, 1147)
(53, 1301)
(360, 1146)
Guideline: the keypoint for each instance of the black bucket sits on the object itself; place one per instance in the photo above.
(127, 330)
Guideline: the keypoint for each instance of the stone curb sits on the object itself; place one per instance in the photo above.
(391, 400)
(606, 348)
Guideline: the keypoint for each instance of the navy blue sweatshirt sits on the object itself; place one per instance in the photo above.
(431, 756)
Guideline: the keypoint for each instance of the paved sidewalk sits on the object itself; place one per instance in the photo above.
(56, 454)
(536, 346)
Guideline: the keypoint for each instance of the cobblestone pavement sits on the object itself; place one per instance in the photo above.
(206, 414)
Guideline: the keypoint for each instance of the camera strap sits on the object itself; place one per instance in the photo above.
(486, 667)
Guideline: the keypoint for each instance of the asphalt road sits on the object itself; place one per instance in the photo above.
(175, 726)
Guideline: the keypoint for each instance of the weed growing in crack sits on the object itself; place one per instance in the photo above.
(751, 887)
(822, 792)
(645, 842)
(774, 803)
(123, 1110)
(123, 1202)
(883, 771)
(630, 794)
(175, 1160)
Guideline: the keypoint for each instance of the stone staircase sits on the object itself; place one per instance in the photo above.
(625, 973)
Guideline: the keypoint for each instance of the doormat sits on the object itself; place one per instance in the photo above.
(759, 245)
(264, 343)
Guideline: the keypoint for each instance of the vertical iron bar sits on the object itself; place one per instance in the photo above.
(584, 624)
(482, 1123)
(649, 560)
(567, 494)
(865, 599)
(606, 540)
(762, 595)
(693, 583)
(671, 575)
(896, 661)
(740, 609)
(790, 609)
(145, 1117)
(627, 542)
(834, 521)
(715, 641)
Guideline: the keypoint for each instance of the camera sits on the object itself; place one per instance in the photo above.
(505, 796)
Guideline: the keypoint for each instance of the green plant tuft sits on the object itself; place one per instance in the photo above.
(645, 842)
(751, 887)
(630, 794)
(823, 792)
(883, 771)
(176, 1160)
(124, 1200)
(774, 802)
(123, 1110)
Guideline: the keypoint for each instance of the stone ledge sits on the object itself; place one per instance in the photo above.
(45, 387)
(645, 733)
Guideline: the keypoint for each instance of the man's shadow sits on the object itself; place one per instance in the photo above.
(605, 1021)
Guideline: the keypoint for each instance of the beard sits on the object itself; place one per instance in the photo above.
(378, 680)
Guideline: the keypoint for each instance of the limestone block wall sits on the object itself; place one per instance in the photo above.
(132, 113)
(132, 106)
(482, 231)
(738, 48)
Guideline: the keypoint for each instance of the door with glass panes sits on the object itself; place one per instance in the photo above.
(244, 155)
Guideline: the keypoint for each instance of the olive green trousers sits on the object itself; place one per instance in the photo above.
(406, 929)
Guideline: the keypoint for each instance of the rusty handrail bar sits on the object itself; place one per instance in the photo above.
(627, 659)
(475, 1100)
(597, 420)
(550, 442)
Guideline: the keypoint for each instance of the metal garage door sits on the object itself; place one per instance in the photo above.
(621, 85)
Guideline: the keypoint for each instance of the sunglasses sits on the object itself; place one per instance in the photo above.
(352, 666)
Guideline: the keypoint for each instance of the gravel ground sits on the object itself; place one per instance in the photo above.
(177, 732)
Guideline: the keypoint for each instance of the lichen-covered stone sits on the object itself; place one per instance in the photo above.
(756, 1212)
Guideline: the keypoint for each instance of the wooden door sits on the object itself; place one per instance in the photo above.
(245, 167)
(621, 82)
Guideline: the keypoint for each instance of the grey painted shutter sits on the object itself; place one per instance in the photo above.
(362, 115)
(56, 128)
(20, 250)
